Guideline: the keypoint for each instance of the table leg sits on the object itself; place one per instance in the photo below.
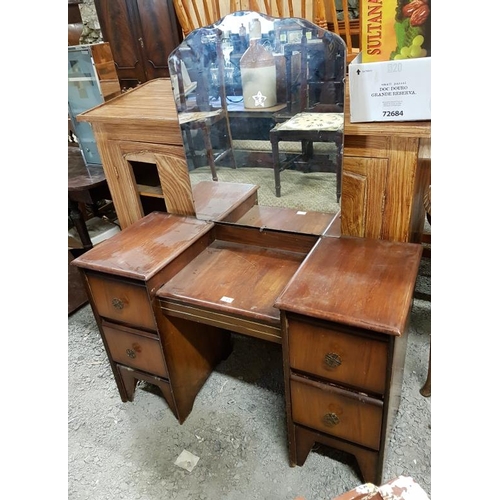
(79, 222)
(276, 163)
(206, 131)
(340, 156)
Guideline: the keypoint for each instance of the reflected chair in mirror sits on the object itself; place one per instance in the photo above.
(194, 14)
(315, 104)
(201, 99)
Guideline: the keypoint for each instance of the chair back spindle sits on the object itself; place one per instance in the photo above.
(331, 15)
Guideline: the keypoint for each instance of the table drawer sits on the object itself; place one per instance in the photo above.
(135, 349)
(350, 359)
(122, 301)
(338, 412)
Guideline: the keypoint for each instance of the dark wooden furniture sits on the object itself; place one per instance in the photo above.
(167, 290)
(75, 23)
(122, 275)
(77, 294)
(86, 185)
(295, 129)
(339, 305)
(344, 345)
(238, 277)
(141, 35)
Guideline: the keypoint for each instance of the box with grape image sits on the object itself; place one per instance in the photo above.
(395, 29)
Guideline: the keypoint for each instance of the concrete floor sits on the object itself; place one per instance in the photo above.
(237, 428)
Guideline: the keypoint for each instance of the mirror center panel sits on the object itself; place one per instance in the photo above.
(260, 101)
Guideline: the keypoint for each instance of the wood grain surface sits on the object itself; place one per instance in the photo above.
(369, 283)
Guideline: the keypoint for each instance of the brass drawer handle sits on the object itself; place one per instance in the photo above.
(117, 303)
(330, 419)
(332, 359)
(130, 353)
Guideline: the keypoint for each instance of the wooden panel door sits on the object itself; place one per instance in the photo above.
(160, 35)
(363, 196)
(119, 30)
(142, 34)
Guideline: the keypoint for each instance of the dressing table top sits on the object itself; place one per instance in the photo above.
(142, 249)
(369, 283)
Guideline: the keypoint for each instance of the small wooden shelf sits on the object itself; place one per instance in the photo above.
(238, 278)
(152, 191)
(287, 219)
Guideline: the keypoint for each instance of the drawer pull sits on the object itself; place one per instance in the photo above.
(130, 353)
(333, 360)
(330, 419)
(117, 303)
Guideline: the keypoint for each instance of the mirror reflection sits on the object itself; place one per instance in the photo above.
(260, 101)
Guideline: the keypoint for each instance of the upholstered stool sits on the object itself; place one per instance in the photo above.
(309, 128)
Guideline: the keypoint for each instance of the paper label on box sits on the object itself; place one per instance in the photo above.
(390, 91)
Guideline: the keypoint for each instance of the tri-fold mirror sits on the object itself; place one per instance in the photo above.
(261, 101)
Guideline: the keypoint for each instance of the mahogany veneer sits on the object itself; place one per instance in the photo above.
(237, 279)
(287, 219)
(122, 275)
(168, 289)
(344, 345)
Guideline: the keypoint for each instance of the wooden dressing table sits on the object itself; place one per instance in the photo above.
(168, 290)
(339, 305)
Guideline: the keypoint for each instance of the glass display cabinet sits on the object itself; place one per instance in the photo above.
(92, 79)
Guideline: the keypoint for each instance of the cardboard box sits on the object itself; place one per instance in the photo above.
(395, 29)
(390, 91)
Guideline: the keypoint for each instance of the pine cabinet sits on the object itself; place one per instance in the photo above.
(385, 171)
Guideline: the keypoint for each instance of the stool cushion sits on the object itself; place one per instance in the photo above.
(195, 116)
(313, 121)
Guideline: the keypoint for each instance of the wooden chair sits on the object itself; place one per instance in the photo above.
(332, 15)
(314, 103)
(75, 23)
(197, 110)
(338, 21)
(424, 161)
(426, 388)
